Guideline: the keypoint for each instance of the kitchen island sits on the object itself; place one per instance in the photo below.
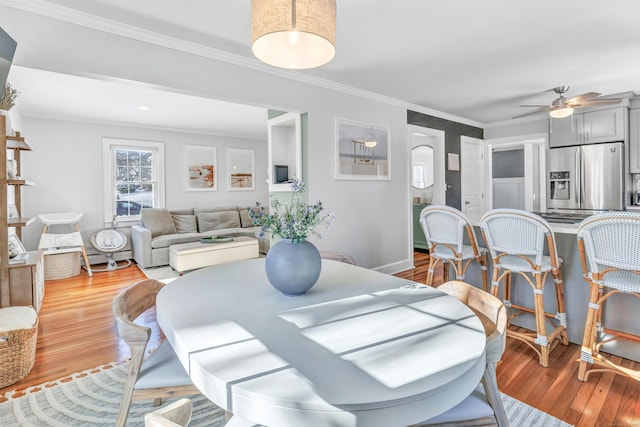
(620, 312)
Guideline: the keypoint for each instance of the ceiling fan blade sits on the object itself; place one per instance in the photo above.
(604, 101)
(536, 106)
(537, 110)
(581, 98)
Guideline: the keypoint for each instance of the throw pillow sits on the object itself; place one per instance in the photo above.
(208, 221)
(245, 220)
(188, 211)
(185, 223)
(158, 220)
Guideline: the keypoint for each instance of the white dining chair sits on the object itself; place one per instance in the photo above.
(445, 229)
(176, 414)
(160, 375)
(516, 241)
(610, 257)
(483, 407)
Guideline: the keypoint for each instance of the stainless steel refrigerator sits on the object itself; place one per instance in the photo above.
(586, 177)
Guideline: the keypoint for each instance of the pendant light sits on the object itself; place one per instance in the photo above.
(293, 34)
(369, 139)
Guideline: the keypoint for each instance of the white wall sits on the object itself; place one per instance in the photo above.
(506, 130)
(372, 217)
(66, 165)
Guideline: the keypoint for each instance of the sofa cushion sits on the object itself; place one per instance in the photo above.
(245, 220)
(158, 221)
(173, 239)
(185, 223)
(216, 220)
(198, 211)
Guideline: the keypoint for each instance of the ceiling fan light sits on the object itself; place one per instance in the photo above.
(561, 113)
(370, 144)
(293, 34)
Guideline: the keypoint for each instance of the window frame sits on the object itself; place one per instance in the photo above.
(109, 146)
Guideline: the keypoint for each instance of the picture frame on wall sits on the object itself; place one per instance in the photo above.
(201, 168)
(241, 169)
(363, 151)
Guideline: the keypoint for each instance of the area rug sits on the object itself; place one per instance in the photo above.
(92, 398)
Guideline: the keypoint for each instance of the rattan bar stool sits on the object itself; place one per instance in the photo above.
(445, 228)
(610, 256)
(516, 240)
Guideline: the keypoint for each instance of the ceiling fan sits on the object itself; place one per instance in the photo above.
(563, 107)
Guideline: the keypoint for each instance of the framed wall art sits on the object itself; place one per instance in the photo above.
(200, 168)
(241, 169)
(363, 151)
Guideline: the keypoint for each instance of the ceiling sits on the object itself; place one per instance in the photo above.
(477, 60)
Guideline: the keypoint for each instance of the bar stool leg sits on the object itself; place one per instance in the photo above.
(484, 270)
(541, 329)
(495, 284)
(458, 267)
(562, 316)
(432, 265)
(507, 287)
(593, 313)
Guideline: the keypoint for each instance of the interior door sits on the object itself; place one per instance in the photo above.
(472, 177)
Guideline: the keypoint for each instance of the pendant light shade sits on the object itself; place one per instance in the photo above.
(370, 144)
(294, 34)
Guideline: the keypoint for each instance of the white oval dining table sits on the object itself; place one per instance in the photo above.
(360, 348)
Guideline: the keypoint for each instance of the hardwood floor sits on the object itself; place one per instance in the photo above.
(76, 333)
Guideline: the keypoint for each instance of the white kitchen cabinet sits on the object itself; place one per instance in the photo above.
(634, 140)
(588, 128)
(565, 132)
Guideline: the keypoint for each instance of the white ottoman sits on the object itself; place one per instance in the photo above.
(189, 256)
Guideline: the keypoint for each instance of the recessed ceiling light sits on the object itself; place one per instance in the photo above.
(143, 108)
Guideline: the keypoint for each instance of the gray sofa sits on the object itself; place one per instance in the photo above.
(160, 228)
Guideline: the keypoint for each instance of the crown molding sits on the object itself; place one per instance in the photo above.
(73, 16)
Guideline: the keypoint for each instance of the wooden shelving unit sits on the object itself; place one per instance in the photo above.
(21, 283)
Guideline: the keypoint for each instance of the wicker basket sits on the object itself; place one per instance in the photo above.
(61, 266)
(17, 354)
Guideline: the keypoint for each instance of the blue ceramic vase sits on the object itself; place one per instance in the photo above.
(293, 267)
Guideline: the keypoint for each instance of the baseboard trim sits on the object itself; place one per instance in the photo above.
(395, 267)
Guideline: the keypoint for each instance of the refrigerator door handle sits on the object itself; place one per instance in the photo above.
(579, 178)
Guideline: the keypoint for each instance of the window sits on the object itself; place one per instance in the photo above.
(134, 177)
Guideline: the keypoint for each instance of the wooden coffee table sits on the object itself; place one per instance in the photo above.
(189, 256)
